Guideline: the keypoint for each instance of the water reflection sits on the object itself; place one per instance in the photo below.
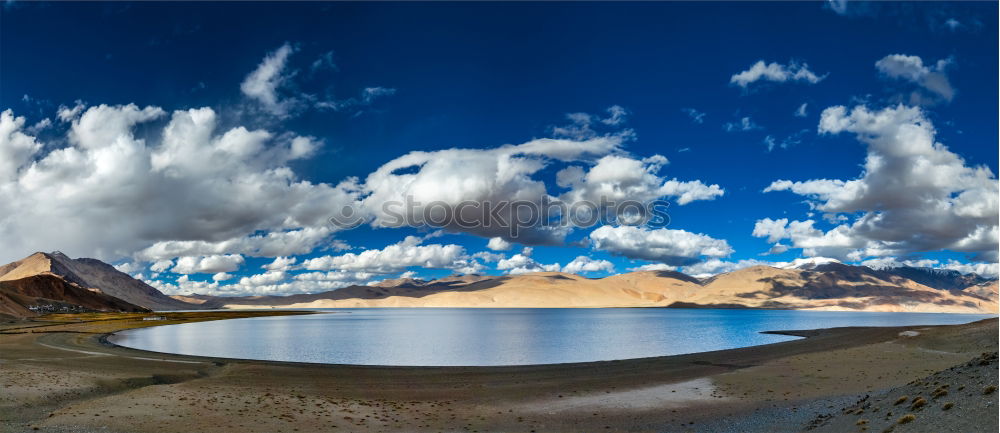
(459, 336)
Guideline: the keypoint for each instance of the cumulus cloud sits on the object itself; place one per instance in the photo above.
(672, 247)
(717, 266)
(186, 187)
(222, 276)
(281, 264)
(498, 244)
(931, 79)
(449, 188)
(16, 147)
(583, 264)
(653, 267)
(914, 194)
(208, 264)
(775, 72)
(397, 257)
(523, 263)
(620, 178)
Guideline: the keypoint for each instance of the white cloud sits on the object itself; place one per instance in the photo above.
(263, 83)
(653, 267)
(620, 178)
(777, 248)
(397, 257)
(586, 264)
(324, 61)
(744, 124)
(714, 266)
(222, 276)
(801, 111)
(281, 264)
(695, 115)
(182, 189)
(914, 194)
(673, 247)
(785, 143)
(208, 264)
(366, 97)
(953, 24)
(128, 267)
(16, 147)
(616, 116)
(932, 78)
(523, 263)
(775, 72)
(498, 244)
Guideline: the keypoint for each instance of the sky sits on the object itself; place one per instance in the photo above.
(204, 147)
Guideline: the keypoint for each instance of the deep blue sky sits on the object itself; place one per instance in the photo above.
(485, 74)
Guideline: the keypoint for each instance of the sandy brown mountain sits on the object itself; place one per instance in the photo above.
(56, 277)
(825, 287)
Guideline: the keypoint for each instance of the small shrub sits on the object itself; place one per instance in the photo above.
(918, 403)
(861, 422)
(901, 400)
(906, 418)
(947, 406)
(989, 389)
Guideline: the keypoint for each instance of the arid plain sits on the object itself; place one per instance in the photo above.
(61, 376)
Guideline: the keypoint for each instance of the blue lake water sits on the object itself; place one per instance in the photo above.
(514, 336)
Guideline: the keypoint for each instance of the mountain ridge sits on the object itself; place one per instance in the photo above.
(825, 286)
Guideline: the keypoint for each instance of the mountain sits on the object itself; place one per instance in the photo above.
(49, 293)
(946, 279)
(817, 285)
(88, 274)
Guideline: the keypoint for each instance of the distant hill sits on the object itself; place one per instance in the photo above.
(818, 286)
(945, 279)
(87, 283)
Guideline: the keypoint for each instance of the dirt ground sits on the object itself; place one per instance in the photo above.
(64, 378)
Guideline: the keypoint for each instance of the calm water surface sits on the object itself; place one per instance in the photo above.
(515, 336)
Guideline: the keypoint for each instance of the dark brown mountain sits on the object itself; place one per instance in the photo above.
(50, 293)
(92, 274)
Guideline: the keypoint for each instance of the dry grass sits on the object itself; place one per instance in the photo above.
(989, 389)
(918, 403)
(901, 400)
(906, 418)
(940, 392)
(947, 406)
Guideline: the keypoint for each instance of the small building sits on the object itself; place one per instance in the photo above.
(154, 318)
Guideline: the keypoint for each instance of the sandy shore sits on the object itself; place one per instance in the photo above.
(65, 378)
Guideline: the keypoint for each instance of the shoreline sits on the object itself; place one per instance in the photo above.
(115, 386)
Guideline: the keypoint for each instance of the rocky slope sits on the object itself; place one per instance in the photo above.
(49, 293)
(829, 286)
(87, 283)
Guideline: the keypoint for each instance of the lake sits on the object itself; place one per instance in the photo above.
(508, 336)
